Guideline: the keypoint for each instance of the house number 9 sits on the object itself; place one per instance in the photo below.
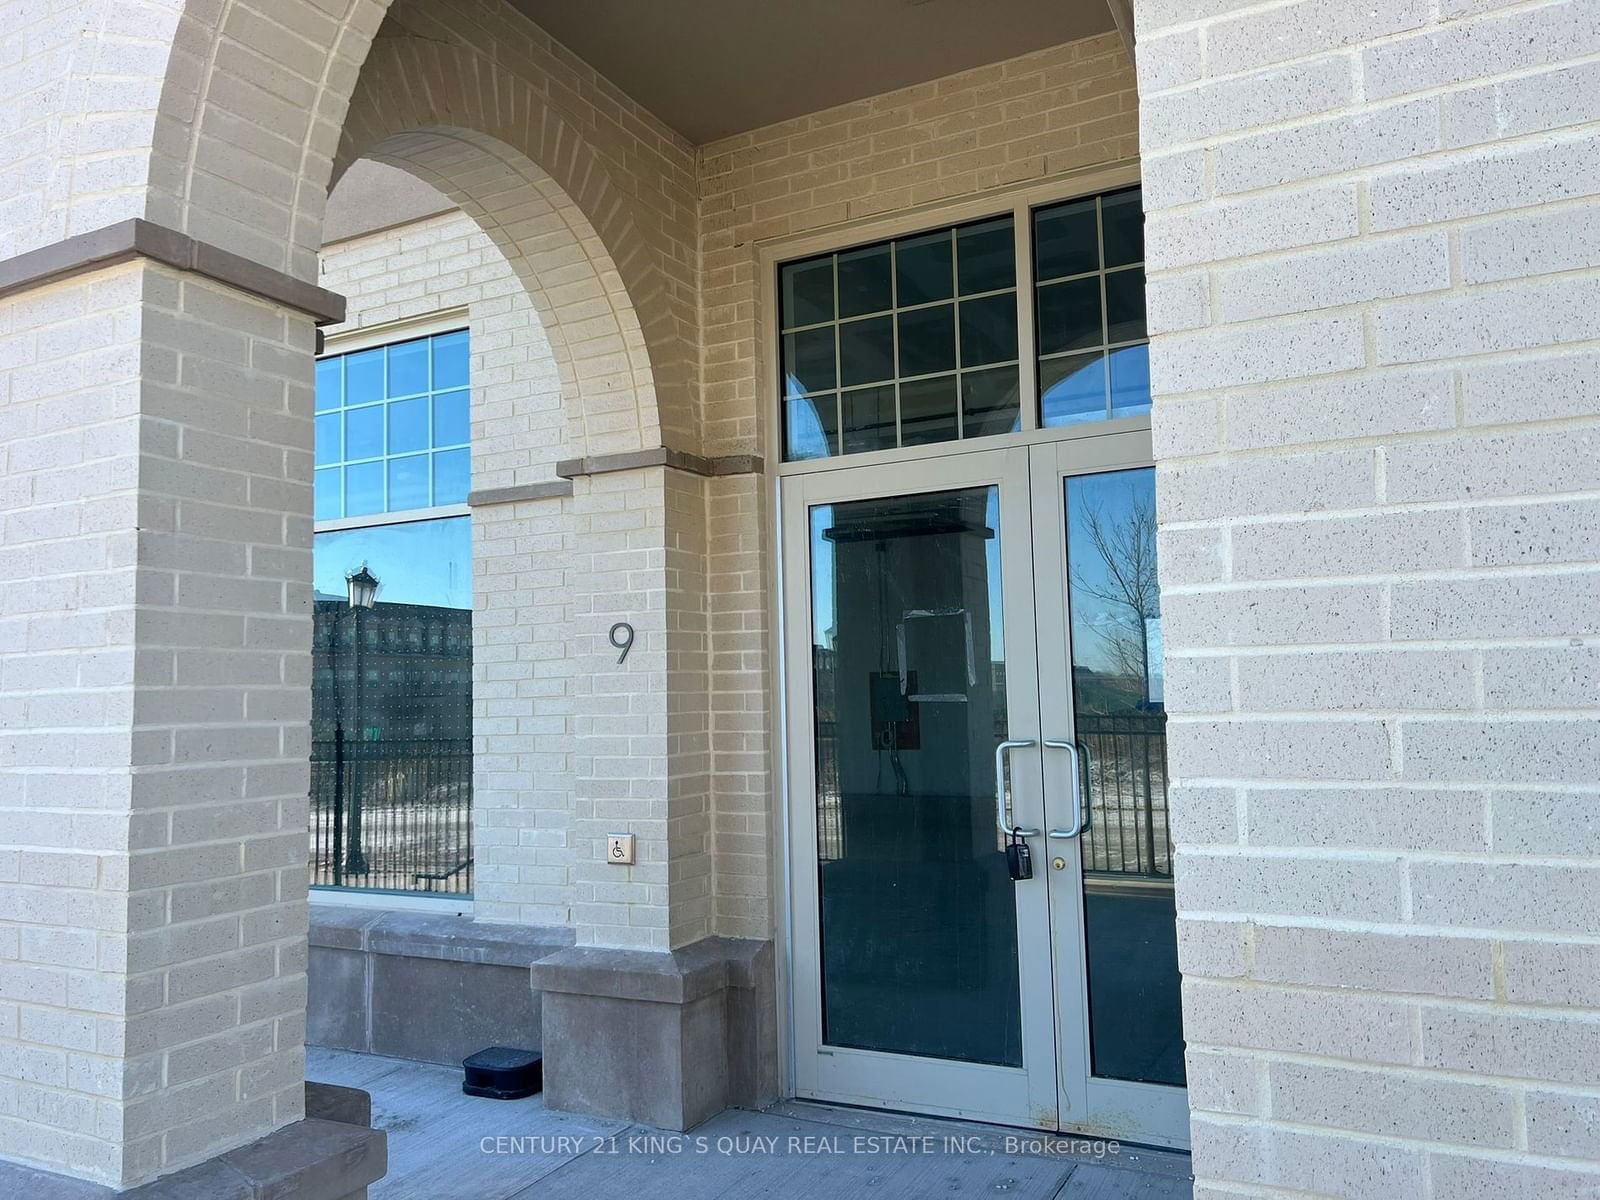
(621, 636)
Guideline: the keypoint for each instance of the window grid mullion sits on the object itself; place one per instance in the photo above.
(838, 360)
(1024, 250)
(894, 321)
(961, 384)
(1105, 316)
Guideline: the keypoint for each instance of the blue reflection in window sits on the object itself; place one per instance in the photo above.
(363, 489)
(811, 427)
(363, 377)
(1073, 388)
(363, 432)
(329, 505)
(408, 482)
(452, 472)
(329, 439)
(387, 448)
(450, 360)
(416, 562)
(1130, 381)
(450, 426)
(408, 425)
(330, 383)
(408, 368)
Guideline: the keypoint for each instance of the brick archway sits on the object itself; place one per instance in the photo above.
(254, 105)
(251, 108)
(575, 286)
(504, 124)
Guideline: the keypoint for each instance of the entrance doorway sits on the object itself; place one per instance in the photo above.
(973, 660)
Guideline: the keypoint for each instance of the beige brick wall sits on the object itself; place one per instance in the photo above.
(592, 203)
(220, 120)
(569, 745)
(57, 117)
(523, 580)
(1373, 291)
(155, 442)
(1026, 119)
(66, 672)
(603, 731)
(1373, 284)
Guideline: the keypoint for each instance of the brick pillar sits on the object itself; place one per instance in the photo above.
(155, 564)
(651, 1016)
(641, 756)
(1375, 301)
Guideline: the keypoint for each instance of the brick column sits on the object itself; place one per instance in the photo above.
(641, 759)
(651, 1016)
(155, 564)
(1373, 290)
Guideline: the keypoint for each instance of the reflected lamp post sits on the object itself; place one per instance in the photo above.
(362, 588)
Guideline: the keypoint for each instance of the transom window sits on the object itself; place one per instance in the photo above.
(392, 428)
(901, 343)
(916, 340)
(1088, 270)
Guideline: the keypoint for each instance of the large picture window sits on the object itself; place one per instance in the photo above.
(916, 340)
(391, 803)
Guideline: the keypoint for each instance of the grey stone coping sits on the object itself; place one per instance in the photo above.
(138, 238)
(309, 1160)
(676, 977)
(427, 935)
(661, 456)
(550, 490)
(335, 1102)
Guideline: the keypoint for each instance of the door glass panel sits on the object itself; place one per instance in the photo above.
(918, 914)
(1130, 930)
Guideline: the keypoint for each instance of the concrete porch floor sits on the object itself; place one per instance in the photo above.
(447, 1146)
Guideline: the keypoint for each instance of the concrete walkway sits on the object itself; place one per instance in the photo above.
(446, 1146)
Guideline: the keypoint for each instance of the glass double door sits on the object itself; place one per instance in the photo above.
(973, 662)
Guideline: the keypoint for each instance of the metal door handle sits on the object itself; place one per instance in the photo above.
(1080, 810)
(1000, 814)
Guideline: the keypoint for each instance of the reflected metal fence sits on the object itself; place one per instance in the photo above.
(1129, 831)
(394, 814)
(830, 814)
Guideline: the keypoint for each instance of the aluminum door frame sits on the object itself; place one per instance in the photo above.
(1027, 1096)
(1153, 1114)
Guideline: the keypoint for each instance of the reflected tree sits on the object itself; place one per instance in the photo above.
(1125, 542)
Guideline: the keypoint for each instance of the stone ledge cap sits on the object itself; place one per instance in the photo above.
(139, 238)
(448, 936)
(309, 1160)
(676, 977)
(661, 456)
(552, 489)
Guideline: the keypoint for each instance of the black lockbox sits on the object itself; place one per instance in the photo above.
(503, 1073)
